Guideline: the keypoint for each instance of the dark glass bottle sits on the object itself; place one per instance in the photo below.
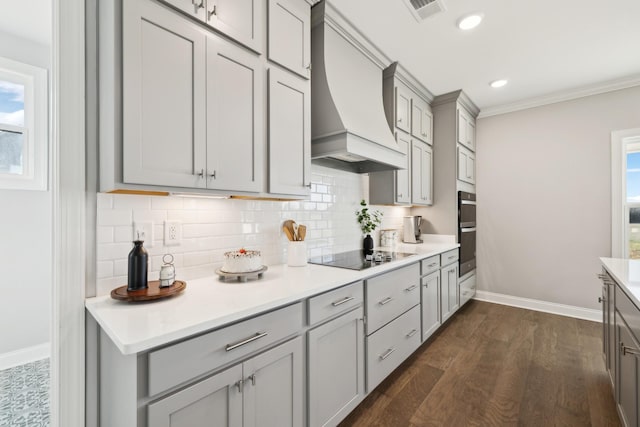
(138, 267)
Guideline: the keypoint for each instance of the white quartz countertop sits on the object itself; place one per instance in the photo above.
(626, 272)
(210, 303)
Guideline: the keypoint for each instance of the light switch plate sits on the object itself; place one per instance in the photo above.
(143, 230)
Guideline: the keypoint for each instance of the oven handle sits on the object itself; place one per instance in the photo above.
(468, 230)
(467, 202)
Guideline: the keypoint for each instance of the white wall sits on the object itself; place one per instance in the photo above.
(25, 241)
(543, 185)
(212, 226)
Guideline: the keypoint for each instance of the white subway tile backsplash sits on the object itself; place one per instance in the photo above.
(211, 227)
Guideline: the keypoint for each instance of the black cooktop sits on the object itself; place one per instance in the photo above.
(356, 260)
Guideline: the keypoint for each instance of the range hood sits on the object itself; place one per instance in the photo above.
(349, 129)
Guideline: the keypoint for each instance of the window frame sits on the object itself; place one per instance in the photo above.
(35, 130)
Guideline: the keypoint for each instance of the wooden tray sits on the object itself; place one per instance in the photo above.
(152, 293)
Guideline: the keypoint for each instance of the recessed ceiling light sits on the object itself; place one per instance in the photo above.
(470, 21)
(498, 83)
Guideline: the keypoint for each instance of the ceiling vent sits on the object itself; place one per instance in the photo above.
(422, 9)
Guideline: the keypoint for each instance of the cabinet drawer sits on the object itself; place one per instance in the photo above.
(391, 294)
(467, 289)
(449, 257)
(391, 345)
(430, 265)
(334, 302)
(181, 362)
(629, 312)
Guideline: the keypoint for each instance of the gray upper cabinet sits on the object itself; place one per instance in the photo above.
(239, 19)
(164, 103)
(235, 134)
(289, 134)
(466, 165)
(421, 120)
(191, 105)
(403, 108)
(409, 117)
(421, 174)
(195, 8)
(289, 35)
(466, 129)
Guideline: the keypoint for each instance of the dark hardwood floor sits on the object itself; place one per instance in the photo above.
(494, 365)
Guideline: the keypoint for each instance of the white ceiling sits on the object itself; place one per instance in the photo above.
(31, 19)
(541, 46)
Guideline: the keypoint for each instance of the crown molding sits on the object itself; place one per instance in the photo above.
(566, 95)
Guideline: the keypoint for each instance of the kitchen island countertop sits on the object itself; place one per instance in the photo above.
(626, 272)
(210, 303)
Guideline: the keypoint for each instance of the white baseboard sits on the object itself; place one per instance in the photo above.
(544, 306)
(24, 355)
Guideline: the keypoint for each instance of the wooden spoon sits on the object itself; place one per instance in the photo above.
(287, 227)
(302, 232)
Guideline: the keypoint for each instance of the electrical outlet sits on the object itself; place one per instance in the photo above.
(143, 230)
(172, 233)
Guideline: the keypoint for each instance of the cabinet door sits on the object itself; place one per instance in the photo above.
(628, 375)
(403, 183)
(273, 391)
(163, 97)
(421, 174)
(215, 401)
(430, 304)
(403, 108)
(466, 165)
(290, 35)
(421, 120)
(611, 312)
(235, 137)
(336, 368)
(289, 134)
(471, 134)
(195, 8)
(239, 19)
(449, 291)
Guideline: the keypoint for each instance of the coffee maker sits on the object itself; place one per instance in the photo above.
(411, 229)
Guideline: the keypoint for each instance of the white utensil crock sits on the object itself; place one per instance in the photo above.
(297, 254)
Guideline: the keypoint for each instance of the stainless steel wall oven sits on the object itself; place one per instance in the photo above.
(467, 231)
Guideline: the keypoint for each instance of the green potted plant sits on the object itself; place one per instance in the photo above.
(369, 221)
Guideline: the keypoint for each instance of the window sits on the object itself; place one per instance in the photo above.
(23, 126)
(632, 208)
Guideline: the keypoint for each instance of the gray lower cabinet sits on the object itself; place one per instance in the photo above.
(336, 368)
(449, 298)
(430, 304)
(266, 390)
(628, 374)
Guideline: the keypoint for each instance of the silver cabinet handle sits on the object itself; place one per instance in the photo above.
(412, 333)
(252, 378)
(257, 336)
(342, 301)
(400, 195)
(452, 257)
(212, 12)
(433, 264)
(387, 353)
(600, 299)
(399, 119)
(197, 5)
(308, 185)
(239, 384)
(628, 350)
(385, 301)
(212, 175)
(602, 276)
(410, 288)
(201, 174)
(467, 202)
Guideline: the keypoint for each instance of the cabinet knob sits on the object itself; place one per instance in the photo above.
(201, 174)
(399, 119)
(600, 299)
